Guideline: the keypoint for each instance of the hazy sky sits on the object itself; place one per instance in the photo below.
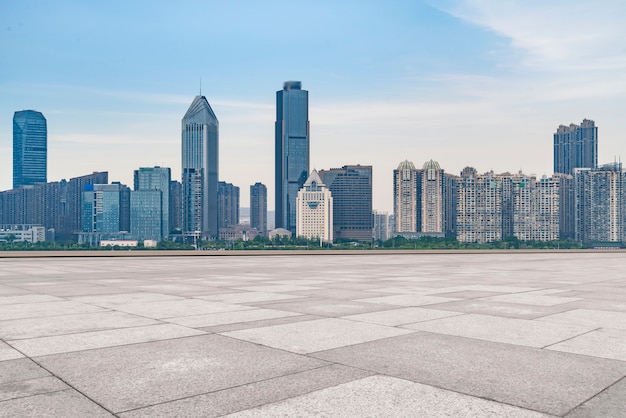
(468, 82)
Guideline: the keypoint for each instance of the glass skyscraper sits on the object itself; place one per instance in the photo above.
(30, 148)
(258, 207)
(156, 179)
(292, 151)
(200, 131)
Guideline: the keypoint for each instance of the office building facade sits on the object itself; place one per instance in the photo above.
(156, 179)
(381, 230)
(575, 146)
(146, 214)
(200, 168)
(101, 208)
(291, 151)
(227, 204)
(351, 189)
(30, 148)
(314, 210)
(258, 207)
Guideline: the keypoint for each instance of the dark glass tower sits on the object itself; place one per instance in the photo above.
(258, 207)
(292, 150)
(200, 169)
(575, 146)
(30, 148)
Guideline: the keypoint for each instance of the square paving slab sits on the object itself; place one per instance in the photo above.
(484, 334)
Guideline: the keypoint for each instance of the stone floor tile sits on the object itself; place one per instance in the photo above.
(504, 330)
(8, 353)
(98, 339)
(407, 300)
(468, 294)
(31, 298)
(17, 329)
(66, 403)
(395, 317)
(260, 324)
(606, 343)
(109, 301)
(227, 401)
(531, 299)
(608, 404)
(507, 310)
(311, 336)
(233, 317)
(276, 288)
(23, 388)
(44, 309)
(343, 294)
(590, 317)
(326, 307)
(20, 369)
(384, 396)
(140, 375)
(177, 308)
(249, 297)
(526, 377)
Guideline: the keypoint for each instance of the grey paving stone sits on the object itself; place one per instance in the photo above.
(135, 376)
(590, 317)
(123, 298)
(20, 369)
(8, 353)
(260, 324)
(227, 401)
(23, 388)
(468, 294)
(67, 324)
(311, 336)
(177, 308)
(505, 330)
(97, 339)
(526, 377)
(345, 294)
(395, 317)
(606, 343)
(327, 307)
(43, 309)
(67, 403)
(407, 300)
(276, 288)
(384, 396)
(608, 404)
(233, 317)
(531, 299)
(31, 298)
(249, 297)
(507, 310)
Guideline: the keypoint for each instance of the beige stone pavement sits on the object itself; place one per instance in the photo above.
(515, 334)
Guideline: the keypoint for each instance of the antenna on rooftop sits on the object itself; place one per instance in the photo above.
(200, 86)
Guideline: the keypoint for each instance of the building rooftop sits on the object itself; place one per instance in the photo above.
(432, 335)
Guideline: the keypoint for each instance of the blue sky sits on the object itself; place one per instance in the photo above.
(464, 82)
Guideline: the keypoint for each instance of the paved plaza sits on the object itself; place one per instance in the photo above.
(408, 335)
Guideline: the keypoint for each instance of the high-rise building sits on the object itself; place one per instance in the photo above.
(227, 204)
(405, 188)
(176, 206)
(535, 208)
(479, 207)
(292, 151)
(381, 226)
(432, 198)
(351, 188)
(258, 207)
(101, 208)
(146, 214)
(575, 146)
(159, 179)
(71, 195)
(314, 210)
(567, 206)
(200, 131)
(600, 200)
(30, 148)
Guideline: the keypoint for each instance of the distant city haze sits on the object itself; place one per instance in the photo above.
(461, 82)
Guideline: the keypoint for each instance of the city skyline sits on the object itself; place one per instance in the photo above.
(459, 82)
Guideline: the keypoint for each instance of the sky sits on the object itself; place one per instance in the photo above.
(463, 82)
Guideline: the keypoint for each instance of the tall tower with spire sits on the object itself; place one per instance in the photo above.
(200, 168)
